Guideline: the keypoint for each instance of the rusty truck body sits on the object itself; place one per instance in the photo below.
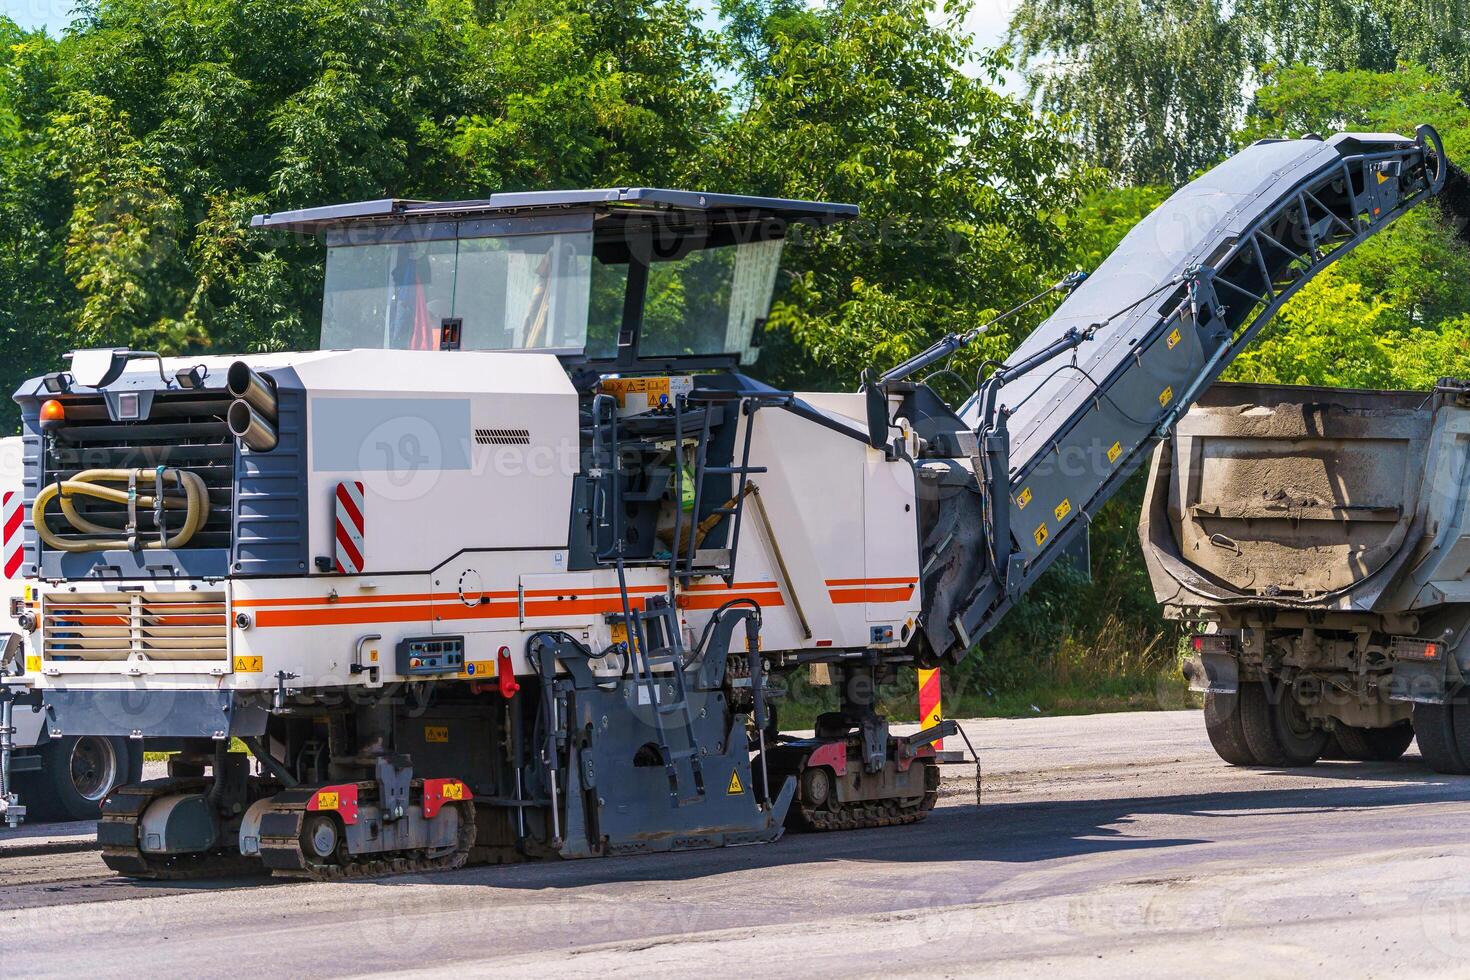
(1320, 540)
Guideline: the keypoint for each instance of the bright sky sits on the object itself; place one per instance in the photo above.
(31, 14)
(987, 21)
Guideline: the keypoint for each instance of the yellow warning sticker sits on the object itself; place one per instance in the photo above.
(1166, 396)
(328, 801)
(249, 665)
(735, 789)
(33, 665)
(436, 733)
(1040, 535)
(657, 390)
(1174, 337)
(478, 668)
(1114, 451)
(454, 791)
(1382, 177)
(1063, 509)
(29, 592)
(1023, 498)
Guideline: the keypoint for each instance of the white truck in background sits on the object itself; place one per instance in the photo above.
(50, 778)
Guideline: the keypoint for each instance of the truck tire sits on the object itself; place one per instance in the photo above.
(1434, 727)
(1277, 732)
(1460, 721)
(78, 773)
(1373, 744)
(1223, 726)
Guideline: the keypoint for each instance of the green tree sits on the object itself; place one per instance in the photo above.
(963, 190)
(138, 146)
(1156, 87)
(1393, 312)
(37, 305)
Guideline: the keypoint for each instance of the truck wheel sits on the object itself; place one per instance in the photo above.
(78, 773)
(1279, 733)
(1434, 727)
(1227, 735)
(1374, 744)
(1460, 720)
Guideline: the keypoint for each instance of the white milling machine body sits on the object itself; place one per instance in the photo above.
(508, 568)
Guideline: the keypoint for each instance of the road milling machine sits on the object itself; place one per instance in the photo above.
(514, 565)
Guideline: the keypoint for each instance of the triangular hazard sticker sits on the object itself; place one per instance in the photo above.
(735, 789)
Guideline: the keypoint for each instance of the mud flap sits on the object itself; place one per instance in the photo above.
(1213, 673)
(1424, 681)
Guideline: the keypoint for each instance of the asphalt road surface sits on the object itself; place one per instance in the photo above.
(1111, 845)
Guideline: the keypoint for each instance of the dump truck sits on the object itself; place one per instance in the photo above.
(515, 564)
(1318, 538)
(44, 778)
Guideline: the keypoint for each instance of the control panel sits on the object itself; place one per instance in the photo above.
(431, 655)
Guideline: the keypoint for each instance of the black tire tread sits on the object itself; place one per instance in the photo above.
(51, 801)
(1434, 729)
(1374, 744)
(1223, 726)
(1257, 726)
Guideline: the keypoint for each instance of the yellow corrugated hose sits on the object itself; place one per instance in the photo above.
(92, 483)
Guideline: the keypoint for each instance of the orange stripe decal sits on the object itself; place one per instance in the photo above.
(868, 593)
(738, 586)
(351, 600)
(835, 582)
(716, 600)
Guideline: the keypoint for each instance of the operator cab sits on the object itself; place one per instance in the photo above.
(630, 280)
(652, 300)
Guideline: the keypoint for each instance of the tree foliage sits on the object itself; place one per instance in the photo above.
(1155, 86)
(1158, 87)
(141, 142)
(965, 189)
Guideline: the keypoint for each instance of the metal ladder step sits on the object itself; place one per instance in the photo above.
(663, 649)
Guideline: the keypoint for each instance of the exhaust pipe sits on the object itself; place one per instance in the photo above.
(253, 414)
(244, 383)
(250, 427)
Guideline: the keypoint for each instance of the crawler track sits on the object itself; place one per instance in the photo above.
(876, 813)
(118, 833)
(282, 852)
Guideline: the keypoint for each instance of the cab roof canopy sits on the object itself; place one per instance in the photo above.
(613, 203)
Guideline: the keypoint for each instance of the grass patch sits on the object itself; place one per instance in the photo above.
(235, 746)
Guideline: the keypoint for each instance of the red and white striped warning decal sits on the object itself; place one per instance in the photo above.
(12, 514)
(350, 527)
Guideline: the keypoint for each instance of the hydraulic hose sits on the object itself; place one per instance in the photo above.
(93, 483)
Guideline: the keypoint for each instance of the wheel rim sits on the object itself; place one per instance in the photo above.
(321, 837)
(1298, 725)
(818, 786)
(94, 767)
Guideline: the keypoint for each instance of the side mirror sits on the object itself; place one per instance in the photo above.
(877, 405)
(99, 366)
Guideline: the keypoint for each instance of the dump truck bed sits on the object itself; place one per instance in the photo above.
(1330, 499)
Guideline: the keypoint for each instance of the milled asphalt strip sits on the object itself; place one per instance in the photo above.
(1037, 936)
(48, 847)
(1120, 846)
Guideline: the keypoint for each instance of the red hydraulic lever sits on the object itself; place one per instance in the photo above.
(505, 674)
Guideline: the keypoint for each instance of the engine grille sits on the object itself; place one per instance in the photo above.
(503, 437)
(186, 430)
(96, 626)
